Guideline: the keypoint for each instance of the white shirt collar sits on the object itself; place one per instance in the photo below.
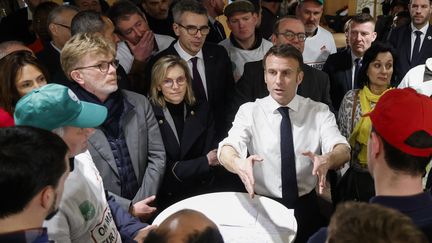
(184, 55)
(273, 105)
(423, 29)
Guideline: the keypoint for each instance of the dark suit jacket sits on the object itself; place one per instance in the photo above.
(16, 26)
(50, 58)
(339, 69)
(219, 79)
(401, 40)
(187, 170)
(214, 36)
(251, 86)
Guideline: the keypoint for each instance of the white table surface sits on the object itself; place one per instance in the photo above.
(241, 219)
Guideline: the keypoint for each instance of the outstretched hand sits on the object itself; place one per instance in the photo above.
(245, 172)
(321, 164)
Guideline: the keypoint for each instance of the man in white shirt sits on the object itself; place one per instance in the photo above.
(309, 129)
(419, 78)
(320, 43)
(244, 44)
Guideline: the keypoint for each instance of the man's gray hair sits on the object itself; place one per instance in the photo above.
(88, 21)
(187, 6)
(55, 15)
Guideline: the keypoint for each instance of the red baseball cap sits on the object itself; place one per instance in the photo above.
(398, 114)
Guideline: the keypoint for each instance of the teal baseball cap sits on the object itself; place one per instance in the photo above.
(321, 2)
(53, 106)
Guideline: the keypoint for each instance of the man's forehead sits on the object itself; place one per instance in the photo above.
(281, 63)
(191, 17)
(292, 24)
(367, 26)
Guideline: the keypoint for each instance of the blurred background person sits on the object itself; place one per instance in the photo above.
(20, 73)
(357, 222)
(375, 77)
(187, 129)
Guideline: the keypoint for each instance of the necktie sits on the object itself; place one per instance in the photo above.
(220, 29)
(416, 48)
(357, 67)
(288, 172)
(197, 83)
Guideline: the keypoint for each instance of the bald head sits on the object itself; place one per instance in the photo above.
(186, 226)
(8, 47)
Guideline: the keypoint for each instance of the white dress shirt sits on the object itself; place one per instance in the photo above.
(256, 128)
(200, 63)
(414, 36)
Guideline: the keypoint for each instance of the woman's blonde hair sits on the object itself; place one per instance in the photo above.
(159, 73)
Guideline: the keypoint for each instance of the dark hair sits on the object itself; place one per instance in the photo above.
(10, 65)
(279, 20)
(362, 18)
(122, 10)
(30, 160)
(400, 161)
(88, 21)
(285, 51)
(369, 56)
(187, 6)
(40, 19)
(208, 235)
(359, 222)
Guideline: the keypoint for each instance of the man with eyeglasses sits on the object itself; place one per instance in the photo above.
(59, 24)
(245, 43)
(209, 63)
(251, 86)
(211, 71)
(127, 148)
(84, 204)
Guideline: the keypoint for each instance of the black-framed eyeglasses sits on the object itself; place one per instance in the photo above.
(169, 83)
(62, 25)
(103, 66)
(193, 30)
(289, 35)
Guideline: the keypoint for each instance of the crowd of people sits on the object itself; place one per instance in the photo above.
(111, 114)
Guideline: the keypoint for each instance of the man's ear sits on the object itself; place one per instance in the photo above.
(300, 77)
(47, 197)
(52, 28)
(176, 29)
(375, 145)
(77, 76)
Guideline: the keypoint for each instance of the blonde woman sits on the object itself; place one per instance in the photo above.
(187, 130)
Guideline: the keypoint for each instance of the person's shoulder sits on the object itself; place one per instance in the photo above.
(135, 98)
(225, 43)
(324, 32)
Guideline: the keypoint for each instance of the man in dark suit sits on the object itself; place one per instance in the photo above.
(214, 9)
(343, 66)
(413, 50)
(212, 73)
(59, 24)
(315, 84)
